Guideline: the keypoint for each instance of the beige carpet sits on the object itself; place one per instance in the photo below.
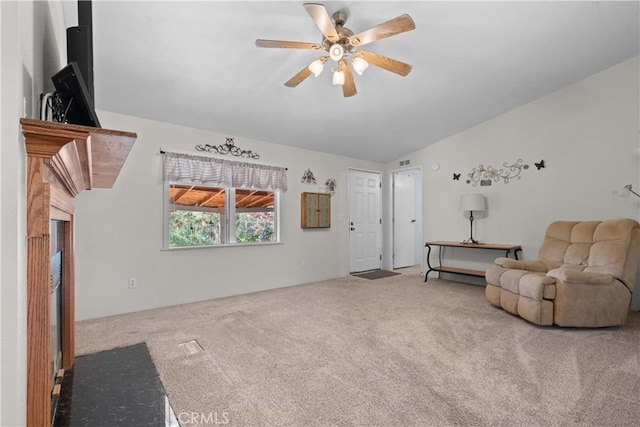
(387, 352)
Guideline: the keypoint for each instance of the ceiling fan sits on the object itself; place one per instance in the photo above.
(343, 47)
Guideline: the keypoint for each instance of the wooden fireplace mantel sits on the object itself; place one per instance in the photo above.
(62, 161)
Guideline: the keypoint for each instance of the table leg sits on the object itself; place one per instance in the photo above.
(429, 269)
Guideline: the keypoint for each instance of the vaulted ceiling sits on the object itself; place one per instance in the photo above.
(196, 64)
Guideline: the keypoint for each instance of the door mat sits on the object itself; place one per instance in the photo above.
(376, 274)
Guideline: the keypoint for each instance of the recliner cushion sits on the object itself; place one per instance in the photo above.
(580, 241)
(577, 254)
(510, 280)
(556, 241)
(537, 286)
(538, 312)
(493, 273)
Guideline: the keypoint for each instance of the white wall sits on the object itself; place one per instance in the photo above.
(119, 231)
(587, 134)
(30, 52)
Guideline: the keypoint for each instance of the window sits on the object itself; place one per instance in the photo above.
(200, 214)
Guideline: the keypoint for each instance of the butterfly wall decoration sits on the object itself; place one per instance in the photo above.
(539, 165)
(456, 176)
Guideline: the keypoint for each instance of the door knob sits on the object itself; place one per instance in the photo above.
(353, 228)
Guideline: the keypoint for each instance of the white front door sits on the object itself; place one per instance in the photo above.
(365, 221)
(404, 219)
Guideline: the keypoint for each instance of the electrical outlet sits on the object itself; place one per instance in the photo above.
(133, 283)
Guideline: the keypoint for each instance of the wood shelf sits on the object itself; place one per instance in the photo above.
(457, 270)
(492, 246)
(62, 161)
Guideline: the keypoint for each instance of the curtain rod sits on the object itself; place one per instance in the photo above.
(164, 152)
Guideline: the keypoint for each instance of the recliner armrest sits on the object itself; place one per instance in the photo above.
(569, 275)
(537, 266)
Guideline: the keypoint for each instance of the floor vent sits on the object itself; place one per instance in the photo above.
(192, 347)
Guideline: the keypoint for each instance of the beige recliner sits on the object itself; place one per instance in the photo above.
(584, 276)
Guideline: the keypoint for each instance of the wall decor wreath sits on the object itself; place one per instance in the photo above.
(506, 173)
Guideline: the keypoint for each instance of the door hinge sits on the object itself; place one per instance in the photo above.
(380, 257)
(380, 184)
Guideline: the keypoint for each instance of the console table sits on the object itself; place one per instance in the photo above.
(508, 248)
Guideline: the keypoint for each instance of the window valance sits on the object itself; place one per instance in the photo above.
(189, 169)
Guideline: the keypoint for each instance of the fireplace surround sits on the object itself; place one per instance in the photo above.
(62, 161)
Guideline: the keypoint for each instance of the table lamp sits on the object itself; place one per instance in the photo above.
(471, 203)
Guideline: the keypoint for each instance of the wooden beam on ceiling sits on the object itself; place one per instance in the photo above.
(262, 199)
(210, 197)
(240, 201)
(181, 192)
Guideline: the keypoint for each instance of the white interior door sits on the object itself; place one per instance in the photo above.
(365, 221)
(404, 219)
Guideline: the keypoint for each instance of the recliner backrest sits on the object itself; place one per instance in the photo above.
(615, 250)
(557, 239)
(582, 239)
(609, 247)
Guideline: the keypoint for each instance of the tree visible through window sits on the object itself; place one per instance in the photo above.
(192, 228)
(198, 216)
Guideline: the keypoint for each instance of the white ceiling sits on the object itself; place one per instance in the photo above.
(196, 64)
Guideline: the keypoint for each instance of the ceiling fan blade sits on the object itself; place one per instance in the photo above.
(349, 86)
(385, 62)
(287, 44)
(390, 28)
(322, 19)
(298, 78)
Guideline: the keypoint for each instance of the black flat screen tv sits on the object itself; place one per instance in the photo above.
(76, 106)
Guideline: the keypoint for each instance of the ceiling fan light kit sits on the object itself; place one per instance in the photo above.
(359, 64)
(343, 47)
(336, 52)
(317, 66)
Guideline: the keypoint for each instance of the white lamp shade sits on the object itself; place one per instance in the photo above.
(472, 202)
(359, 65)
(316, 67)
(338, 77)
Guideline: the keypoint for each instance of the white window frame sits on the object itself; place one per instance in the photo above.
(229, 235)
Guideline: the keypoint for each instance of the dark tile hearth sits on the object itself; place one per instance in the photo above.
(118, 387)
